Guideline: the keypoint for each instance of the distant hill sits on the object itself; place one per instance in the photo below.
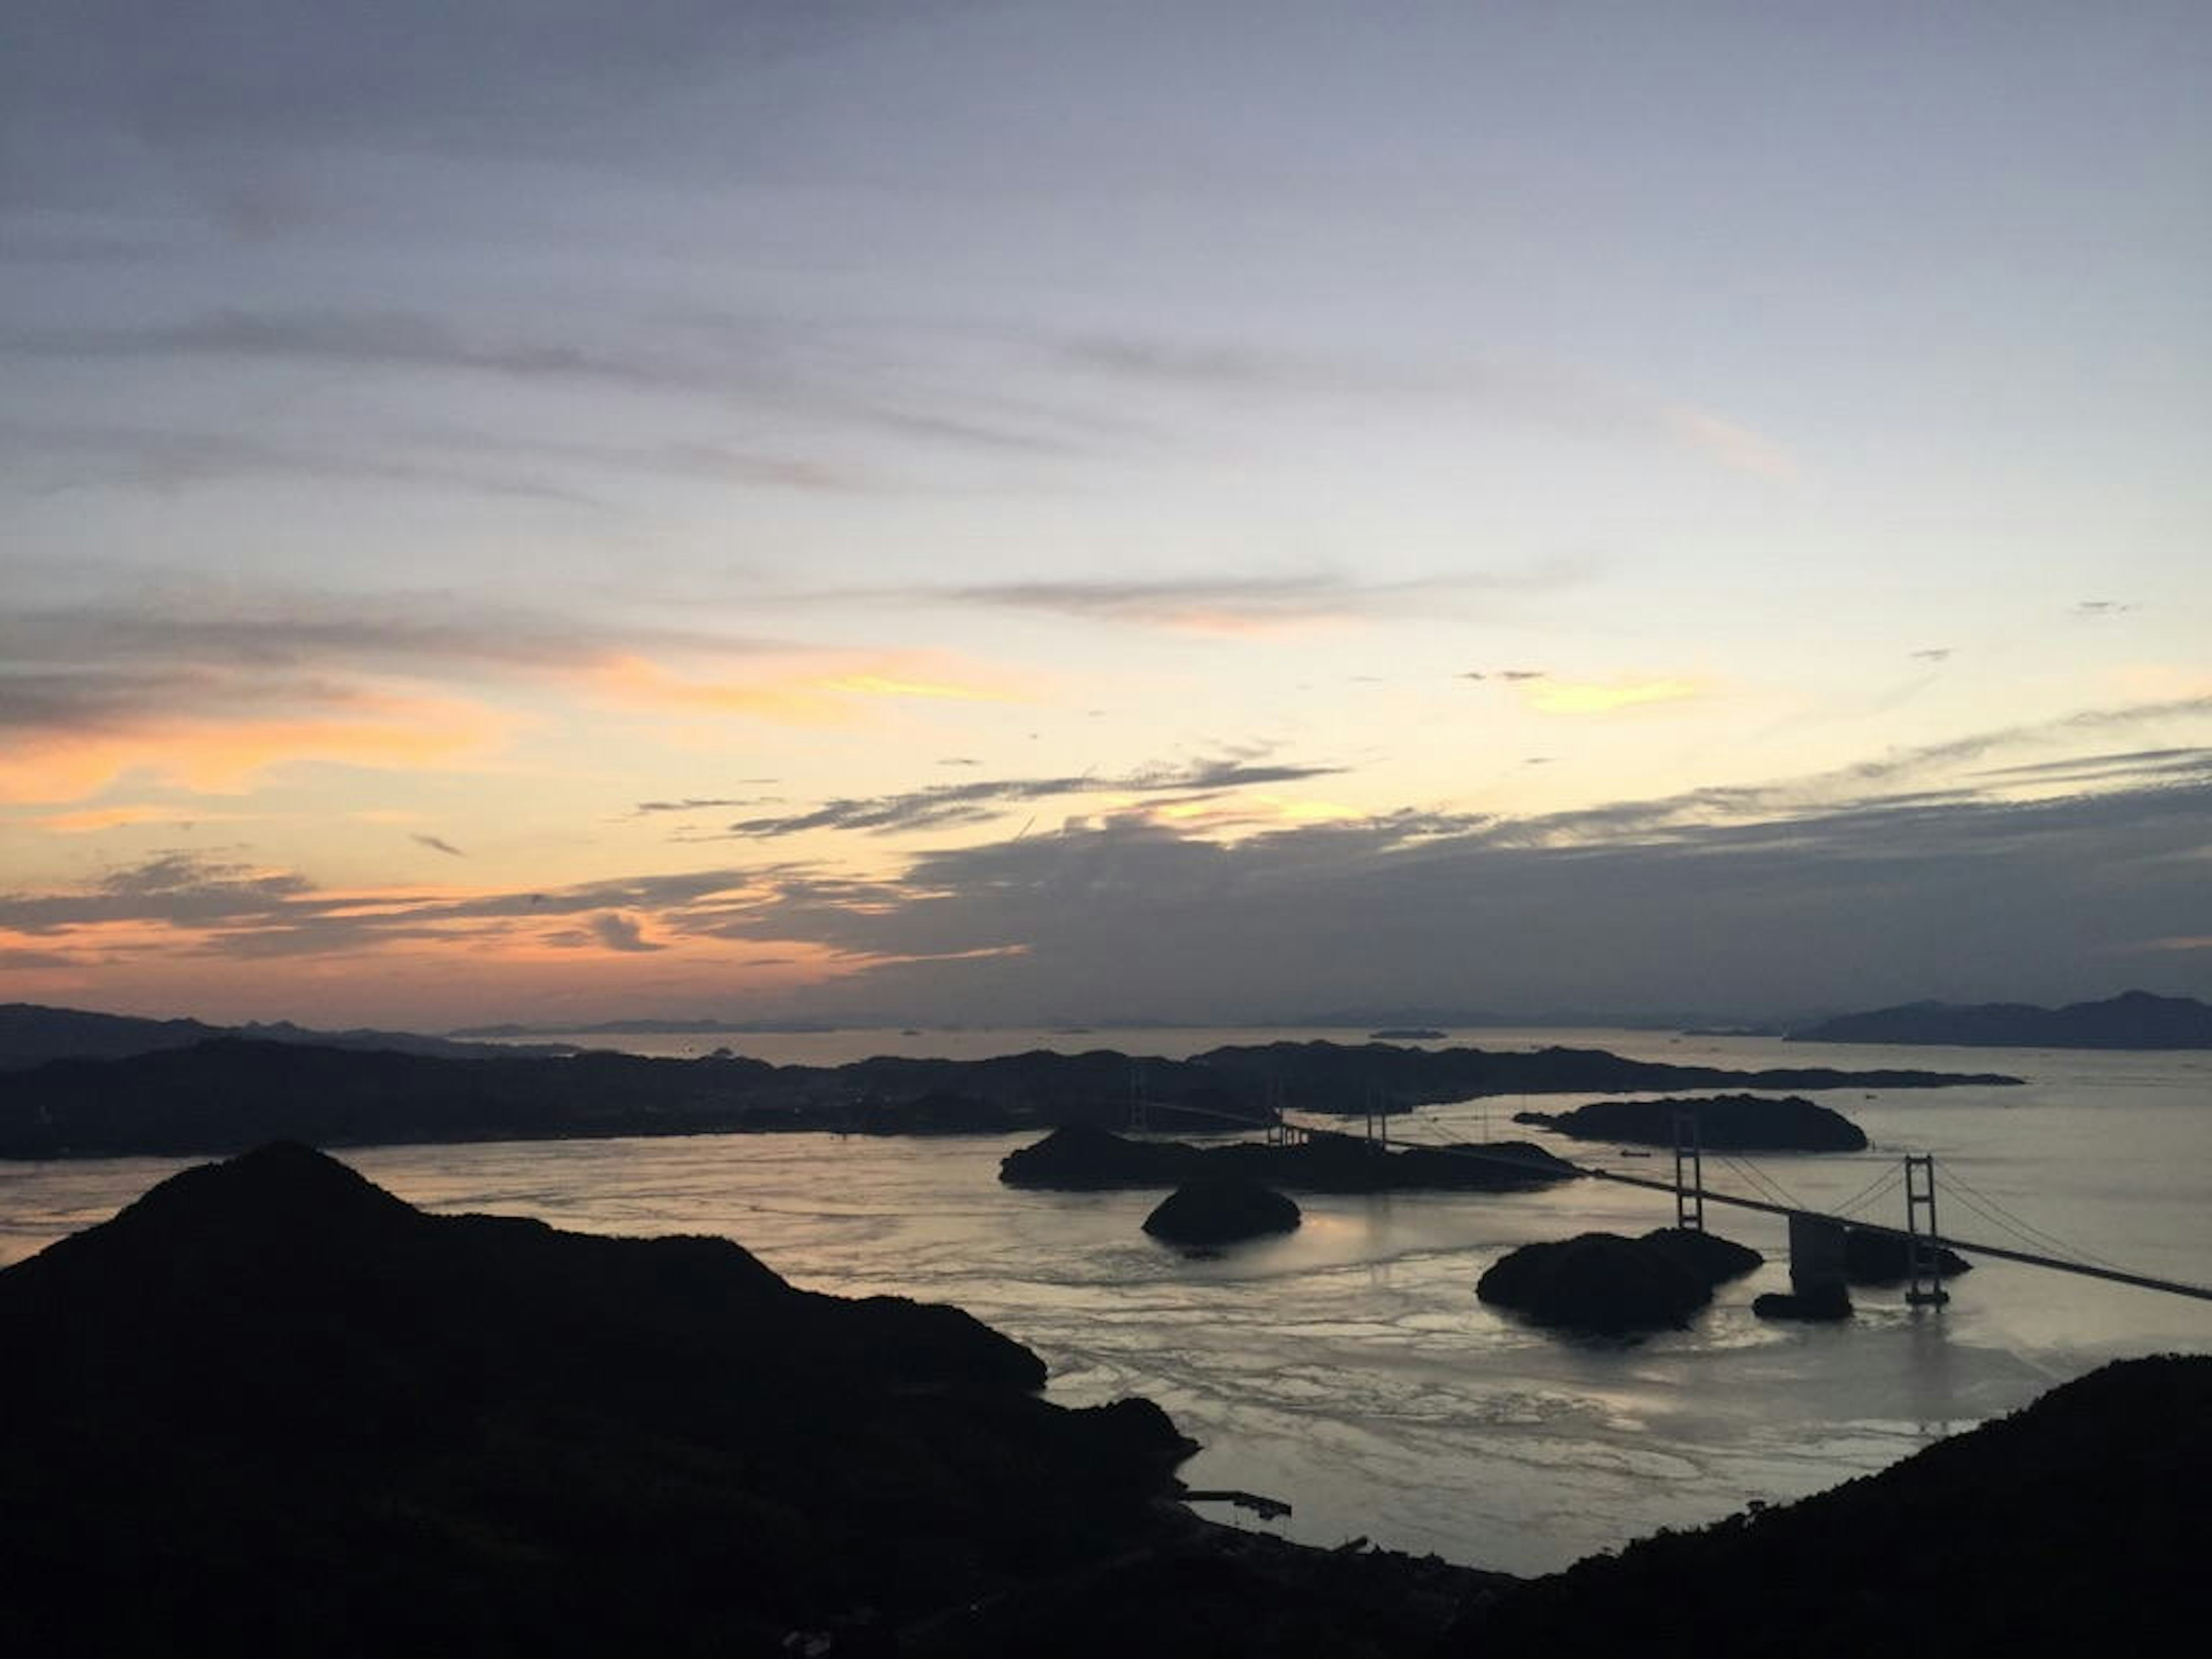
(31, 1035)
(226, 1093)
(2133, 1019)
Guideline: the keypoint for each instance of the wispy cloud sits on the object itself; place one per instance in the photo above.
(205, 686)
(826, 689)
(978, 802)
(437, 844)
(1550, 395)
(1258, 603)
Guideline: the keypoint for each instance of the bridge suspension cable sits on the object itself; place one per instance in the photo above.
(1761, 1182)
(1875, 1190)
(1998, 1215)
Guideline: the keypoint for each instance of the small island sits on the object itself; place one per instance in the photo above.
(1218, 1210)
(1604, 1284)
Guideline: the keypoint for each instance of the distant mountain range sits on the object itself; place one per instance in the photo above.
(31, 1035)
(2133, 1019)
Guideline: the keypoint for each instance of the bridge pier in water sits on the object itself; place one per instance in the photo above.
(1816, 1259)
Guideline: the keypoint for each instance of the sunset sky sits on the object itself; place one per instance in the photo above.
(1028, 512)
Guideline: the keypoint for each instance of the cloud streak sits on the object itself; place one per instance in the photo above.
(1252, 603)
(938, 805)
(1565, 399)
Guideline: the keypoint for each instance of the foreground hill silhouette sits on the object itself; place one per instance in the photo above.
(2133, 1019)
(290, 1413)
(270, 1409)
(227, 1094)
(2076, 1525)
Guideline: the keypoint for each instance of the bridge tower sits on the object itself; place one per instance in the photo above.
(1690, 1157)
(1923, 1251)
(1378, 1119)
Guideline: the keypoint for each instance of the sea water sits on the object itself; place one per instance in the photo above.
(1347, 1369)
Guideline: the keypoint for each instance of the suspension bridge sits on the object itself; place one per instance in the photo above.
(1816, 1236)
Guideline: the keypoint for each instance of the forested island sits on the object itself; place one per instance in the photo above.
(270, 1407)
(227, 1093)
(1724, 1123)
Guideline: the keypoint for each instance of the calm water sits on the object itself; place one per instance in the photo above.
(1348, 1367)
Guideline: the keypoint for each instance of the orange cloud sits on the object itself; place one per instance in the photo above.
(216, 757)
(116, 818)
(826, 694)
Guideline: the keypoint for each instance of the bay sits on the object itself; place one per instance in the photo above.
(1347, 1369)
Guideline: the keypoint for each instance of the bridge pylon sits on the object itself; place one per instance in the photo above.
(1924, 1268)
(1689, 1161)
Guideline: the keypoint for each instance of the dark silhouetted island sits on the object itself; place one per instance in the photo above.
(225, 1094)
(2133, 1019)
(1604, 1284)
(1080, 1158)
(1880, 1259)
(1216, 1209)
(1727, 1123)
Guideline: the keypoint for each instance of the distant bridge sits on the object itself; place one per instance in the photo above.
(1815, 1235)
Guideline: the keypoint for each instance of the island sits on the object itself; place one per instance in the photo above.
(1217, 1209)
(1604, 1284)
(1081, 1158)
(226, 1093)
(2133, 1019)
(1727, 1123)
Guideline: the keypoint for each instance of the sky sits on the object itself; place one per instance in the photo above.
(957, 511)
